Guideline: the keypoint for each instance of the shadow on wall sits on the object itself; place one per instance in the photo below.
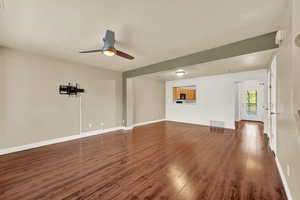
(297, 118)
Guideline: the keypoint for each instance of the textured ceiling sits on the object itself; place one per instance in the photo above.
(152, 31)
(248, 62)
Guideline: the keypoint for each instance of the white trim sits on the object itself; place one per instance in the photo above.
(197, 123)
(56, 140)
(128, 127)
(148, 122)
(68, 138)
(98, 132)
(284, 181)
(142, 123)
(186, 122)
(38, 144)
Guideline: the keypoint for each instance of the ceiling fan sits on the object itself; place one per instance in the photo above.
(109, 47)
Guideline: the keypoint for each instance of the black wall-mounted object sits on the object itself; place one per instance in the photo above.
(70, 89)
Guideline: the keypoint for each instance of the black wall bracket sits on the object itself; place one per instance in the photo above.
(70, 90)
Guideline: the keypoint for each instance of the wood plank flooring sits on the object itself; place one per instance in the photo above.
(165, 160)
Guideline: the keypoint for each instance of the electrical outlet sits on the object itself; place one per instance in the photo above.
(90, 125)
(288, 170)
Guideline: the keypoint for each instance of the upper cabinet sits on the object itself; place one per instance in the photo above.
(184, 94)
(191, 94)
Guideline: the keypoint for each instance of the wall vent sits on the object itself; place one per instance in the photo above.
(217, 126)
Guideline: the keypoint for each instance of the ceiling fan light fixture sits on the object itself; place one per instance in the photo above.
(109, 52)
(180, 72)
(108, 48)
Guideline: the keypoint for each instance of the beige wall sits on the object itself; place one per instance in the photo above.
(149, 99)
(32, 110)
(130, 102)
(288, 149)
(296, 56)
(145, 100)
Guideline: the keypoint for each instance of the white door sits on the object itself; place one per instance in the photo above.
(273, 106)
(251, 101)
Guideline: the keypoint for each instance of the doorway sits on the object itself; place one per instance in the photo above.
(251, 99)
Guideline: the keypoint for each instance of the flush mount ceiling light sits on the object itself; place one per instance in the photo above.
(180, 72)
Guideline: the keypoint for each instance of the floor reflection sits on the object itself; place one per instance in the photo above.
(166, 160)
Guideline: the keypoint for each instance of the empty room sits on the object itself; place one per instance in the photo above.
(149, 100)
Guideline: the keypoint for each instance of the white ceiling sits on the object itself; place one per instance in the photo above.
(248, 62)
(152, 31)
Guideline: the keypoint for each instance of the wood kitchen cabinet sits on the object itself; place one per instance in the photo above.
(176, 93)
(189, 94)
(193, 95)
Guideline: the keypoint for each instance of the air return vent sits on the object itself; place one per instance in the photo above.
(217, 126)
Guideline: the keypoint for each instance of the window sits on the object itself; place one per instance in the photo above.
(251, 107)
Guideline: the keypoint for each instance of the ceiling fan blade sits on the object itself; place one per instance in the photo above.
(91, 51)
(124, 55)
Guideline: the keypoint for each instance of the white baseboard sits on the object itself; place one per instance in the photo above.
(68, 138)
(56, 140)
(98, 132)
(284, 181)
(142, 123)
(128, 127)
(148, 122)
(196, 123)
(38, 144)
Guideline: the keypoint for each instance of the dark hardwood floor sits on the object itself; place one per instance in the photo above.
(165, 160)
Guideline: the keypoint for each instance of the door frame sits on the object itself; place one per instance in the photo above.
(273, 105)
(260, 86)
